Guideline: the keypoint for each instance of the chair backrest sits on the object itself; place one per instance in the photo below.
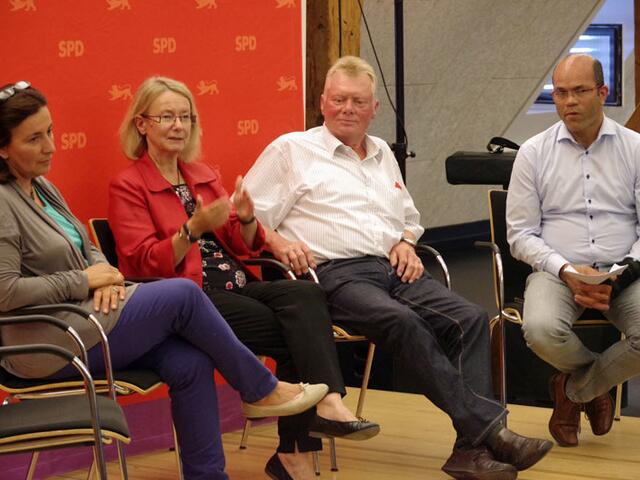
(104, 239)
(515, 271)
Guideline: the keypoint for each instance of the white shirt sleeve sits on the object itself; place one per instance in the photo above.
(524, 216)
(272, 185)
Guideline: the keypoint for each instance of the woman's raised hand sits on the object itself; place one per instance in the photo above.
(243, 202)
(206, 218)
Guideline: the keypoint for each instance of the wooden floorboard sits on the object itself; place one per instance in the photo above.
(415, 441)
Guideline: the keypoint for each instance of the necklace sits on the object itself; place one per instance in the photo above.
(166, 176)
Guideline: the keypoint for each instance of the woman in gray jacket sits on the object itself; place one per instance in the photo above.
(169, 326)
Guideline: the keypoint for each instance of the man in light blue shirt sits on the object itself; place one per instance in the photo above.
(573, 201)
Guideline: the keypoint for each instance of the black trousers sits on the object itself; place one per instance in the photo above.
(289, 322)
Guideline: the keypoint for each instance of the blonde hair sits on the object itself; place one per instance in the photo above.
(132, 142)
(353, 66)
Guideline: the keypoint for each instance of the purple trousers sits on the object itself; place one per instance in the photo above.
(171, 327)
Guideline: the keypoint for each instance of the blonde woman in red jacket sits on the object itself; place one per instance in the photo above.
(171, 217)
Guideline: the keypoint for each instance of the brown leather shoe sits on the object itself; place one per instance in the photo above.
(477, 464)
(600, 412)
(564, 424)
(521, 452)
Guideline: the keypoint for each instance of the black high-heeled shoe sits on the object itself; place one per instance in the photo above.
(275, 469)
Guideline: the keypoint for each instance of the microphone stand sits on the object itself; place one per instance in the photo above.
(400, 146)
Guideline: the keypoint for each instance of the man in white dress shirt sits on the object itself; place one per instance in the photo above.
(336, 201)
(573, 201)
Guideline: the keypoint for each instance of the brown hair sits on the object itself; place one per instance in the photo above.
(13, 111)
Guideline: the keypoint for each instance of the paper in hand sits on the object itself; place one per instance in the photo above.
(597, 279)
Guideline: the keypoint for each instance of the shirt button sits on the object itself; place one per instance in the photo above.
(591, 217)
(593, 241)
(589, 200)
(586, 152)
(588, 176)
(593, 264)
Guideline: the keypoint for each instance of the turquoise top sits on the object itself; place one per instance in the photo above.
(65, 224)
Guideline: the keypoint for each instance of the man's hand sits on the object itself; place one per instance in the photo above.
(585, 295)
(407, 264)
(297, 255)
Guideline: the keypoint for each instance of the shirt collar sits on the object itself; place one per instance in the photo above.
(607, 128)
(331, 143)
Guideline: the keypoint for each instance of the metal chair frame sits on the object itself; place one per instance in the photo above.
(512, 312)
(36, 442)
(340, 334)
(104, 240)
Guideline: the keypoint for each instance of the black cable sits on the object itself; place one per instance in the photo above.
(384, 82)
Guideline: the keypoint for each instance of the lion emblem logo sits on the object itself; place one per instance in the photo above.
(206, 4)
(120, 92)
(287, 83)
(207, 88)
(285, 3)
(26, 5)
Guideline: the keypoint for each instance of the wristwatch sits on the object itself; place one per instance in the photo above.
(184, 232)
(408, 240)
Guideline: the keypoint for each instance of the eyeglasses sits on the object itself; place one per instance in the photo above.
(578, 93)
(170, 118)
(10, 91)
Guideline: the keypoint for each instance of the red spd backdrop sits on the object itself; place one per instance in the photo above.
(241, 59)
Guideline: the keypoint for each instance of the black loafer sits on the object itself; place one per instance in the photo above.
(358, 430)
(275, 470)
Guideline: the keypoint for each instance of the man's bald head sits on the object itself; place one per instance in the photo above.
(579, 58)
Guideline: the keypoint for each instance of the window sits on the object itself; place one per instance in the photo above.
(604, 42)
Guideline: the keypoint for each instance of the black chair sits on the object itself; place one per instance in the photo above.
(60, 417)
(138, 381)
(105, 240)
(510, 277)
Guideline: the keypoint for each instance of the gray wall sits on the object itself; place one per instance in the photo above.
(537, 118)
(470, 67)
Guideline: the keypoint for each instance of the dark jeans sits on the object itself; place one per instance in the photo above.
(171, 327)
(289, 322)
(434, 333)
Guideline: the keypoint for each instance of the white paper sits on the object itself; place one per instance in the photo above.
(596, 279)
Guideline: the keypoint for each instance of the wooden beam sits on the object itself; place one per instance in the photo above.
(634, 122)
(333, 30)
(636, 47)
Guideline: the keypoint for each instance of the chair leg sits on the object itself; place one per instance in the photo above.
(177, 451)
(617, 413)
(365, 379)
(32, 465)
(245, 434)
(122, 461)
(498, 362)
(92, 470)
(332, 452)
(618, 402)
(316, 463)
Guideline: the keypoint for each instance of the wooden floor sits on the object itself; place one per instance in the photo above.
(415, 441)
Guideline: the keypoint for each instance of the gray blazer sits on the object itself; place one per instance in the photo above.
(39, 264)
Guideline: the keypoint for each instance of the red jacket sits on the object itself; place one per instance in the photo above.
(144, 212)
